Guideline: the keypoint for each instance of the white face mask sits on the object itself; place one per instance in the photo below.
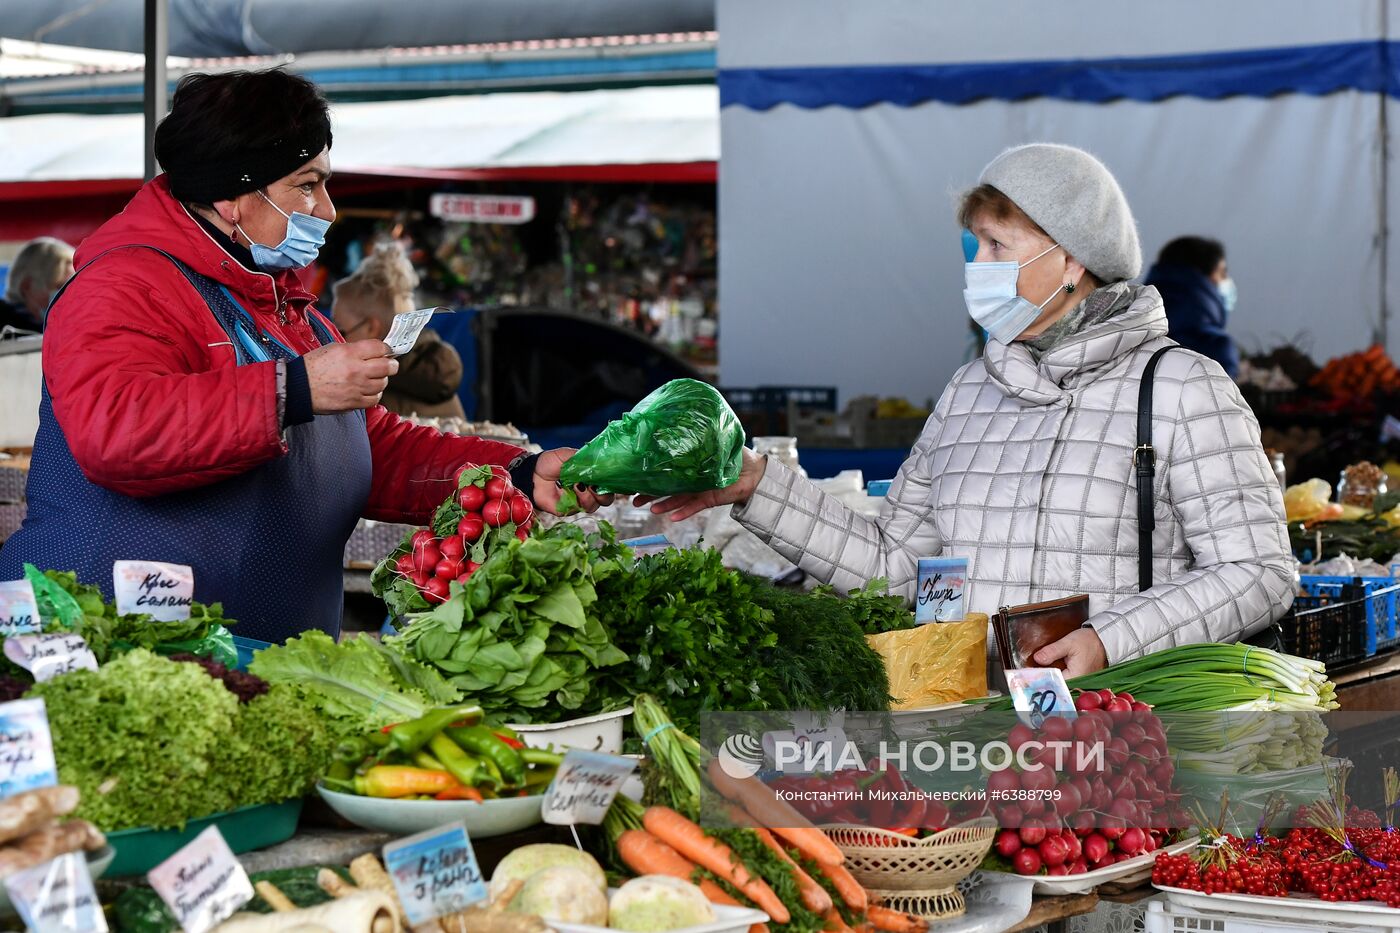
(992, 300)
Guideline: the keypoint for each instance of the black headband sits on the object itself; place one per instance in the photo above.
(204, 181)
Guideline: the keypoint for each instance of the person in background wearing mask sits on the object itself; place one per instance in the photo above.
(365, 304)
(1196, 287)
(198, 409)
(1026, 467)
(38, 272)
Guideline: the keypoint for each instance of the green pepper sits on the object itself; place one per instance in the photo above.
(541, 756)
(378, 739)
(340, 785)
(458, 763)
(539, 777)
(408, 737)
(353, 751)
(424, 760)
(486, 745)
(493, 773)
(506, 731)
(341, 771)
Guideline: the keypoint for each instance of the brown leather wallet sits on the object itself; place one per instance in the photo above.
(1021, 631)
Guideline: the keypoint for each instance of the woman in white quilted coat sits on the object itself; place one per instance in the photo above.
(1026, 465)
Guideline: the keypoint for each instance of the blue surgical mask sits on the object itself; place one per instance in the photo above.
(992, 300)
(298, 249)
(1229, 294)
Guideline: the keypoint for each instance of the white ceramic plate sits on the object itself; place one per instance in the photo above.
(601, 733)
(98, 863)
(1296, 907)
(405, 817)
(1139, 868)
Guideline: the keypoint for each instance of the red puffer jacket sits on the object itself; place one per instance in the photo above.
(145, 384)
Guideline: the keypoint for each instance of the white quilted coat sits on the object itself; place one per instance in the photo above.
(1026, 469)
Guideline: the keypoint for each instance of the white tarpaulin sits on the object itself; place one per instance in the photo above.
(842, 263)
(507, 130)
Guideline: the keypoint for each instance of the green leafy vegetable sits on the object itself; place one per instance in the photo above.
(872, 608)
(703, 637)
(519, 638)
(357, 680)
(153, 742)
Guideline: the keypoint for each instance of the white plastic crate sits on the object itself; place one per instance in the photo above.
(1167, 917)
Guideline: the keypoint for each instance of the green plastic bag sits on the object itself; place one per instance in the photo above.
(683, 437)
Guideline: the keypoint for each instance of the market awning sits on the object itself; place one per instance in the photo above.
(638, 134)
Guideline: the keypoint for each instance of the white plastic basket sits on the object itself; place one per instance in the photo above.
(1195, 912)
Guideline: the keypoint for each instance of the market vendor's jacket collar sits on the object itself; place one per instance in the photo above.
(1081, 357)
(155, 218)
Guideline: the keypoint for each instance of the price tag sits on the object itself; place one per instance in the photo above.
(162, 591)
(26, 748)
(57, 897)
(18, 610)
(1040, 692)
(435, 873)
(47, 656)
(202, 884)
(403, 333)
(941, 584)
(584, 787)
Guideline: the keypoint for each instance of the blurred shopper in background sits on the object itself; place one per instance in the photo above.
(365, 304)
(36, 275)
(1199, 294)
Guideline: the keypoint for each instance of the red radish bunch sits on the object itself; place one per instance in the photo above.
(484, 501)
(1085, 816)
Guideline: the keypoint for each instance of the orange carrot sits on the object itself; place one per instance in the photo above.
(764, 806)
(646, 855)
(690, 841)
(759, 928)
(834, 921)
(847, 886)
(814, 897)
(893, 921)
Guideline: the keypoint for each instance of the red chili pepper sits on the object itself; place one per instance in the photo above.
(509, 740)
(388, 728)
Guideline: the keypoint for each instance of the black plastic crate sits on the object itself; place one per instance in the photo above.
(1330, 629)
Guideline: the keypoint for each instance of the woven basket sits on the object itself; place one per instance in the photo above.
(943, 904)
(927, 867)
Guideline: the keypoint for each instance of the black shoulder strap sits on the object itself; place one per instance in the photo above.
(1145, 461)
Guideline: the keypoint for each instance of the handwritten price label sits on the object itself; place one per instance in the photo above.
(942, 581)
(435, 873)
(26, 748)
(1038, 693)
(57, 897)
(18, 610)
(47, 656)
(584, 787)
(162, 591)
(203, 884)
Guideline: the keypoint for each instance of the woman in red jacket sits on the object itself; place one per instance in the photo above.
(197, 409)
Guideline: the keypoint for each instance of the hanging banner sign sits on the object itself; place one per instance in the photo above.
(482, 208)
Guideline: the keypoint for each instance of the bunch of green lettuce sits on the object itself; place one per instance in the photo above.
(359, 681)
(518, 638)
(151, 742)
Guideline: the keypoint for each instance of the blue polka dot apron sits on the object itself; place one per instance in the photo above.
(268, 544)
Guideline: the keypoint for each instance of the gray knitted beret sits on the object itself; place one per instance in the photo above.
(1076, 200)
